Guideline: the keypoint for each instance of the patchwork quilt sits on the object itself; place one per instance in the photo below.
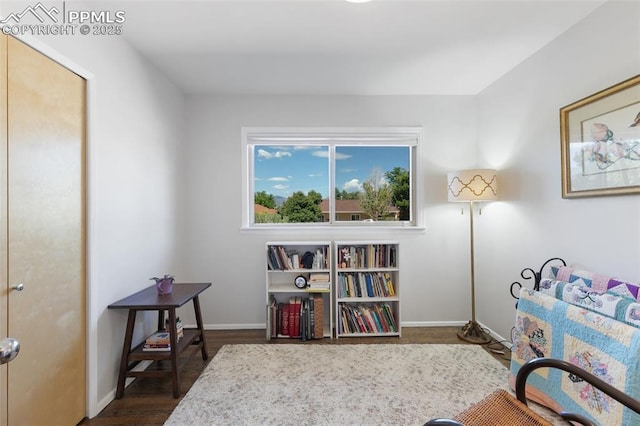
(548, 326)
(596, 282)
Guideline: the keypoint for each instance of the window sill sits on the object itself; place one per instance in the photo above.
(333, 229)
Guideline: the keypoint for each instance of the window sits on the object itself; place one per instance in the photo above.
(322, 177)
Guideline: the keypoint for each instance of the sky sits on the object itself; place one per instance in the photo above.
(283, 170)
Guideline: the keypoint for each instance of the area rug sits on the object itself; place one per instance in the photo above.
(295, 384)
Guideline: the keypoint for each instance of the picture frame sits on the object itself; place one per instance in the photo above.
(600, 142)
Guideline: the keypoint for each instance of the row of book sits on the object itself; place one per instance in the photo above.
(365, 284)
(369, 318)
(369, 256)
(161, 339)
(279, 260)
(300, 318)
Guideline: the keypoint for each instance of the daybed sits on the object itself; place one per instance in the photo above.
(584, 325)
(589, 320)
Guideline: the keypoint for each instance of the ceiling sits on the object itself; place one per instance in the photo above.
(328, 47)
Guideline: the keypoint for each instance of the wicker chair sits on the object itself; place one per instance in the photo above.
(502, 408)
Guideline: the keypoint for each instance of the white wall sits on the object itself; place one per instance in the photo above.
(140, 224)
(434, 263)
(135, 126)
(519, 133)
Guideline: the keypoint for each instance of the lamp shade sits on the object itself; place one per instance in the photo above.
(472, 185)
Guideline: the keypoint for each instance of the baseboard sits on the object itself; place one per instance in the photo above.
(433, 323)
(506, 343)
(109, 397)
(230, 326)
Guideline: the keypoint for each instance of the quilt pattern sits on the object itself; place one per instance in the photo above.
(620, 308)
(550, 327)
(597, 282)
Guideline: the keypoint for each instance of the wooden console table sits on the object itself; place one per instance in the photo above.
(149, 300)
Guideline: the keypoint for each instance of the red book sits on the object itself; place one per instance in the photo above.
(296, 317)
(284, 320)
(292, 317)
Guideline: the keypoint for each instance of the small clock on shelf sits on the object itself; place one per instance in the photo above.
(300, 281)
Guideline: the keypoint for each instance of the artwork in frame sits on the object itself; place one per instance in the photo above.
(600, 140)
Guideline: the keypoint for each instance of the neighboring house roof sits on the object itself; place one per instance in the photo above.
(349, 206)
(258, 208)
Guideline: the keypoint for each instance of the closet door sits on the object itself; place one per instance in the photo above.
(3, 221)
(46, 239)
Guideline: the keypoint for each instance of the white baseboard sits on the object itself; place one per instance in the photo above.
(505, 342)
(102, 404)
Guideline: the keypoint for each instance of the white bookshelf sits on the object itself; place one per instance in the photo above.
(280, 287)
(367, 288)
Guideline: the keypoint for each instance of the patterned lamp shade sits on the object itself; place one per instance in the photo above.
(472, 185)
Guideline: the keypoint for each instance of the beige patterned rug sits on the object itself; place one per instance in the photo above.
(359, 384)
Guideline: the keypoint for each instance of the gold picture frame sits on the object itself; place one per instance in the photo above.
(600, 142)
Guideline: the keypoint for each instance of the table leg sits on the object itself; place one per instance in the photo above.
(126, 348)
(161, 324)
(196, 308)
(174, 352)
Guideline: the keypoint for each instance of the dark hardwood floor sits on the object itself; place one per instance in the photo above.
(149, 401)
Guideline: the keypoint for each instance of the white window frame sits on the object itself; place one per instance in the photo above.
(332, 136)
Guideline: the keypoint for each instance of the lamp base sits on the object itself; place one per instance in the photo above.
(473, 333)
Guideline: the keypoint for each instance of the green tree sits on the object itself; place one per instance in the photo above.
(376, 195)
(269, 218)
(344, 195)
(264, 199)
(399, 180)
(302, 208)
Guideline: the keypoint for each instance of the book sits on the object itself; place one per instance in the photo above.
(304, 312)
(319, 277)
(152, 348)
(296, 316)
(284, 319)
(312, 322)
(292, 317)
(369, 285)
(158, 338)
(318, 286)
(318, 316)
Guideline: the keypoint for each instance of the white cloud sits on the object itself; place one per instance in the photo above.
(352, 186)
(268, 155)
(280, 187)
(325, 153)
(278, 179)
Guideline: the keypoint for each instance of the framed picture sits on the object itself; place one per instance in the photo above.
(600, 139)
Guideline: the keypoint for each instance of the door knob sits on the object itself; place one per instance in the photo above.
(18, 287)
(9, 349)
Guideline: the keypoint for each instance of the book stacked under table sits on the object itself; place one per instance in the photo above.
(161, 340)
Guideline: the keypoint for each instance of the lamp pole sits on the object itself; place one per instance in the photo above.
(472, 332)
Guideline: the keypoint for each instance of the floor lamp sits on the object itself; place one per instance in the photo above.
(472, 186)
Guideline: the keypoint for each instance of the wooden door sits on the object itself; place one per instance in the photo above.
(3, 221)
(46, 239)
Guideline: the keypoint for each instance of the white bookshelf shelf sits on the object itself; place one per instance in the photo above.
(367, 288)
(310, 309)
